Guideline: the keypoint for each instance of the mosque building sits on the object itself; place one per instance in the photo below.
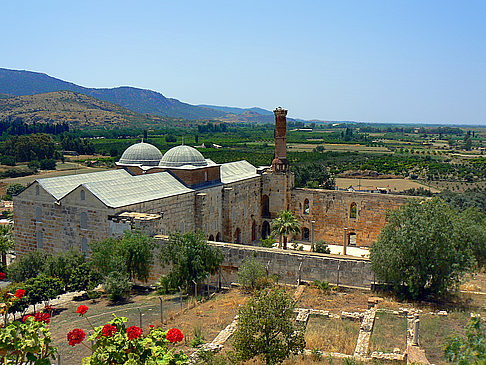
(183, 191)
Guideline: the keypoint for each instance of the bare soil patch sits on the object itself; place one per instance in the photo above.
(348, 300)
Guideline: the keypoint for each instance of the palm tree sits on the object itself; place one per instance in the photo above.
(284, 225)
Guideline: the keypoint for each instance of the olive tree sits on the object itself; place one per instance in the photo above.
(266, 328)
(425, 249)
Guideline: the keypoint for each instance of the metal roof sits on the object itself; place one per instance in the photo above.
(236, 171)
(60, 186)
(141, 154)
(136, 189)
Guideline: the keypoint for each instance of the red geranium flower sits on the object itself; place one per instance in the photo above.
(76, 336)
(82, 309)
(134, 332)
(42, 317)
(20, 293)
(108, 330)
(48, 308)
(174, 335)
(27, 316)
(2, 276)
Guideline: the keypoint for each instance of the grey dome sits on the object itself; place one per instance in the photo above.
(182, 155)
(141, 154)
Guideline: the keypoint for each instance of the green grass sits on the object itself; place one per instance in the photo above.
(389, 332)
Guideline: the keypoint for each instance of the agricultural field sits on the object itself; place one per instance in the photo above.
(394, 185)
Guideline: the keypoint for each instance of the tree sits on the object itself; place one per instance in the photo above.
(423, 250)
(266, 328)
(284, 225)
(191, 258)
(252, 274)
(13, 189)
(468, 350)
(131, 254)
(6, 242)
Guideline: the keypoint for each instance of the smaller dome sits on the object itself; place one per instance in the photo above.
(141, 154)
(182, 155)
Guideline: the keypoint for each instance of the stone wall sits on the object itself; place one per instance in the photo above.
(288, 265)
(331, 212)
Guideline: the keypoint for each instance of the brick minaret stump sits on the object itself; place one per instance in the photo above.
(280, 163)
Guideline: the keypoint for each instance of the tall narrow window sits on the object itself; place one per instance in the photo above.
(237, 236)
(306, 206)
(37, 190)
(83, 195)
(353, 210)
(83, 221)
(265, 206)
(40, 243)
(305, 234)
(183, 227)
(38, 214)
(84, 245)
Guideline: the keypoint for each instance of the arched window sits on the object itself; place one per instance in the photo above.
(83, 195)
(84, 245)
(37, 190)
(253, 231)
(218, 237)
(40, 242)
(306, 206)
(38, 214)
(305, 234)
(265, 206)
(205, 176)
(352, 239)
(353, 210)
(183, 227)
(211, 238)
(265, 230)
(237, 236)
(83, 220)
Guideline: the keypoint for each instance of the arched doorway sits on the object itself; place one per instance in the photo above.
(305, 234)
(265, 230)
(218, 237)
(253, 231)
(211, 238)
(265, 206)
(237, 236)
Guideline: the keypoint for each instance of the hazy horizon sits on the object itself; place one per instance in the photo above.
(376, 61)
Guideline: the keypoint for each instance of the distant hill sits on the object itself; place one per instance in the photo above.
(21, 83)
(77, 109)
(238, 111)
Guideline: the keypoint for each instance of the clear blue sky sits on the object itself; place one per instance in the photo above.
(384, 61)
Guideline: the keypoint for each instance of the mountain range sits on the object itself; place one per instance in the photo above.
(22, 83)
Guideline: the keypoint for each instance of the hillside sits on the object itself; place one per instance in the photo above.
(238, 111)
(19, 83)
(77, 109)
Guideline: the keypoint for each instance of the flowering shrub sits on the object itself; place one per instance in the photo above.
(2, 276)
(26, 341)
(114, 344)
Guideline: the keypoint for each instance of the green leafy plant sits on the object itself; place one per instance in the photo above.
(266, 328)
(268, 242)
(284, 225)
(252, 274)
(191, 259)
(117, 286)
(322, 285)
(322, 246)
(470, 349)
(27, 266)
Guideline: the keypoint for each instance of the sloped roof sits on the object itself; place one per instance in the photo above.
(60, 186)
(136, 189)
(236, 171)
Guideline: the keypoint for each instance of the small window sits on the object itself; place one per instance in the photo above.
(352, 239)
(353, 210)
(205, 176)
(40, 243)
(37, 190)
(183, 227)
(306, 206)
(38, 214)
(84, 245)
(83, 221)
(83, 195)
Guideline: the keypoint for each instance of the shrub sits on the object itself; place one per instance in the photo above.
(268, 242)
(117, 286)
(252, 274)
(42, 289)
(28, 266)
(34, 165)
(470, 349)
(322, 285)
(321, 246)
(266, 328)
(164, 286)
(48, 164)
(7, 160)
